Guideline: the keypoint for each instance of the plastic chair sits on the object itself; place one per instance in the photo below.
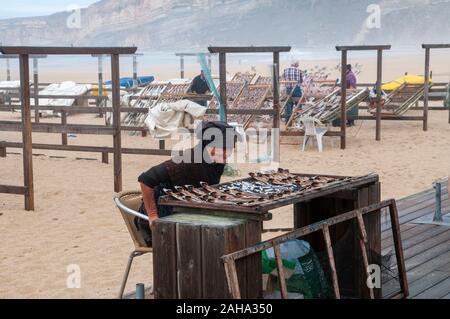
(128, 204)
(309, 125)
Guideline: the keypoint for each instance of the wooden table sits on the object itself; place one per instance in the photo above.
(188, 245)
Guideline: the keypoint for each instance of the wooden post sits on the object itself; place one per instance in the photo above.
(362, 244)
(36, 89)
(379, 79)
(26, 131)
(209, 63)
(64, 122)
(100, 83)
(276, 108)
(281, 276)
(343, 99)
(182, 66)
(2, 150)
(326, 236)
(399, 249)
(223, 82)
(135, 81)
(117, 139)
(8, 70)
(105, 157)
(276, 89)
(162, 144)
(230, 272)
(426, 90)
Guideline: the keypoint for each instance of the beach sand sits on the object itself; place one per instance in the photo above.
(76, 222)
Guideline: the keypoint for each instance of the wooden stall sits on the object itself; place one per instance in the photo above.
(188, 245)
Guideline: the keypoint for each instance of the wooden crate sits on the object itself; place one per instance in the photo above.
(187, 250)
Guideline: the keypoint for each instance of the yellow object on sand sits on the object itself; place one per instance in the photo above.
(94, 90)
(410, 79)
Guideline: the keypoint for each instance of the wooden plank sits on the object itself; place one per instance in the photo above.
(426, 282)
(399, 249)
(254, 262)
(105, 157)
(414, 236)
(276, 93)
(392, 118)
(426, 89)
(232, 278)
(164, 260)
(8, 189)
(26, 132)
(360, 273)
(379, 81)
(373, 226)
(437, 291)
(326, 235)
(189, 261)
(217, 242)
(235, 238)
(250, 49)
(280, 269)
(426, 245)
(362, 243)
(90, 149)
(223, 82)
(343, 99)
(424, 262)
(418, 272)
(37, 50)
(362, 47)
(435, 46)
(117, 136)
(64, 122)
(36, 88)
(2, 150)
(13, 126)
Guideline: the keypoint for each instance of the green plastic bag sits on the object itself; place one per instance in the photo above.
(305, 273)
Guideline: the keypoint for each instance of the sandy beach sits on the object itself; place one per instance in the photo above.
(76, 221)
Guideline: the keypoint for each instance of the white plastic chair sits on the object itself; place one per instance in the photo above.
(309, 125)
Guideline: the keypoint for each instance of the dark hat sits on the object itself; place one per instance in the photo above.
(217, 134)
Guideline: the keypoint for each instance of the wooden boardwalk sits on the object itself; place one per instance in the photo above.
(426, 247)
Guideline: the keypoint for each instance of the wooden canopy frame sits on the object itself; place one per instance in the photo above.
(344, 50)
(426, 94)
(24, 53)
(275, 50)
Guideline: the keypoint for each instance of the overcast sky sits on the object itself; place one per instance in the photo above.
(29, 8)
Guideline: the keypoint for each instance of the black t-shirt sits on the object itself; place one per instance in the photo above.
(159, 175)
(155, 176)
(199, 85)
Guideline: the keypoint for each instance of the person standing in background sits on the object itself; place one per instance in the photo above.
(351, 77)
(200, 86)
(292, 74)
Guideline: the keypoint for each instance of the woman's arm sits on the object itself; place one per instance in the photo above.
(149, 202)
